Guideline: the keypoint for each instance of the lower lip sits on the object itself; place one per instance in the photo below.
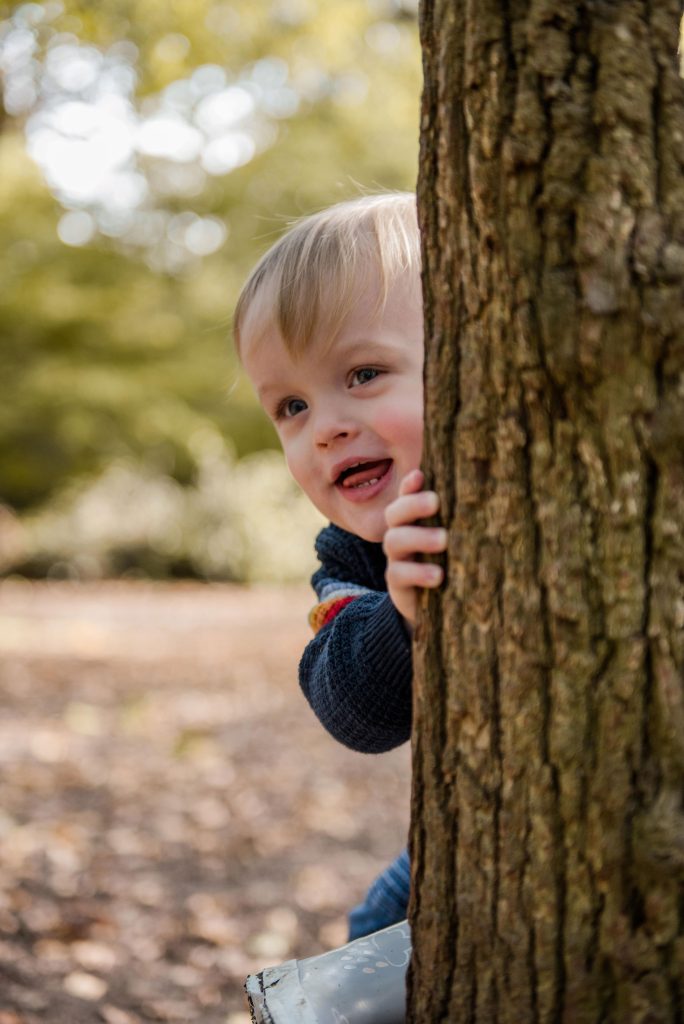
(368, 491)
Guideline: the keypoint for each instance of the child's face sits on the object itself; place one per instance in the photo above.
(350, 419)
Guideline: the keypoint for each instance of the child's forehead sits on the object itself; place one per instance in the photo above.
(263, 342)
(272, 318)
(313, 276)
(371, 324)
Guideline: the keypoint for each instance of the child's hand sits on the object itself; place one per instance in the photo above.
(404, 540)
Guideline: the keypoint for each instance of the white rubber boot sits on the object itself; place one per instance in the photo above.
(363, 982)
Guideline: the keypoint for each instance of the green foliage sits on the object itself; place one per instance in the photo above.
(240, 520)
(106, 358)
(102, 358)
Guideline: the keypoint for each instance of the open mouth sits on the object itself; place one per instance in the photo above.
(363, 474)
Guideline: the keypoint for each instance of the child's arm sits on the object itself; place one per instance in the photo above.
(356, 671)
(356, 675)
(404, 540)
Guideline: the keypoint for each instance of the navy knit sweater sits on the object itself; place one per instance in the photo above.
(356, 672)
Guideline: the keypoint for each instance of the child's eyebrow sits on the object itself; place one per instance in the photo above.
(366, 348)
(268, 389)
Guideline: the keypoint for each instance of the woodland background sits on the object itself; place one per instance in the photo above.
(171, 815)
(161, 832)
(150, 152)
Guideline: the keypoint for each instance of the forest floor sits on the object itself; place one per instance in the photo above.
(172, 816)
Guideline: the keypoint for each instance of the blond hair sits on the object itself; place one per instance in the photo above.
(309, 280)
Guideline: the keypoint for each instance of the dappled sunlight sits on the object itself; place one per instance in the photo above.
(147, 162)
(107, 153)
(93, 143)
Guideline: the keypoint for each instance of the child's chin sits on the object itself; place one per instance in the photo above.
(372, 532)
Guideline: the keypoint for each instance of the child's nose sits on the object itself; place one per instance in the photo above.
(331, 427)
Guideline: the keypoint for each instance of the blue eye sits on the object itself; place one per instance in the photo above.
(364, 375)
(290, 407)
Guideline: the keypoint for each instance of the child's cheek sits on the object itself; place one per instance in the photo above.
(298, 466)
(401, 424)
(307, 473)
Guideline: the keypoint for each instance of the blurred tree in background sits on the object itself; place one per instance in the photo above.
(149, 153)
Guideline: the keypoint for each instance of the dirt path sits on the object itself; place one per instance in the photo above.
(172, 816)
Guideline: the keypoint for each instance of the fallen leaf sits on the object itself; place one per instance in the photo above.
(85, 986)
(114, 1015)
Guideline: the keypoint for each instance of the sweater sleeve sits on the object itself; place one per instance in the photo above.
(356, 672)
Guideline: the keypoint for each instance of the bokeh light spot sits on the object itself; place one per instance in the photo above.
(168, 137)
(221, 110)
(205, 236)
(227, 152)
(77, 227)
(172, 47)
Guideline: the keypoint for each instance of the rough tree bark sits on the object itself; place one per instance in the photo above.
(548, 821)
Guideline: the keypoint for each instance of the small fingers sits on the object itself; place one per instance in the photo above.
(409, 507)
(412, 482)
(401, 542)
(402, 575)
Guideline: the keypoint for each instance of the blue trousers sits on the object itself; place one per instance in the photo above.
(386, 901)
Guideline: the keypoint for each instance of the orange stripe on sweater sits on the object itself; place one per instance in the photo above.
(325, 612)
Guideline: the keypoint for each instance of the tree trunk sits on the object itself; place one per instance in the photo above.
(548, 821)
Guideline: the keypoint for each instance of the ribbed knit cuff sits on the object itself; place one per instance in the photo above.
(388, 645)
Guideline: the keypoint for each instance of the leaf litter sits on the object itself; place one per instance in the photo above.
(172, 816)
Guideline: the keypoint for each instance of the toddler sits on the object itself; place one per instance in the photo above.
(329, 329)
